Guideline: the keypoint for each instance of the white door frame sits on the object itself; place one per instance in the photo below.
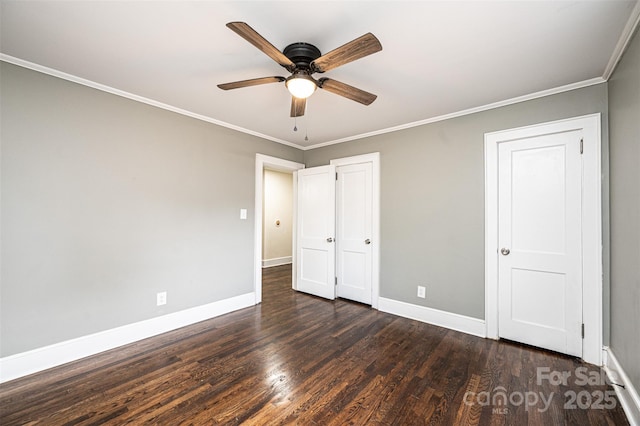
(374, 159)
(278, 164)
(591, 225)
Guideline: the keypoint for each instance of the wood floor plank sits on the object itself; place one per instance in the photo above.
(298, 359)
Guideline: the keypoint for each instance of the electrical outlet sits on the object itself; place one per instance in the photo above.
(161, 298)
(422, 292)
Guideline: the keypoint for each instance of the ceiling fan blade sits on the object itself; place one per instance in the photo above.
(252, 36)
(297, 106)
(355, 49)
(252, 82)
(347, 91)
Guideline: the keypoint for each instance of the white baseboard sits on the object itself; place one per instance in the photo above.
(437, 317)
(628, 395)
(25, 363)
(277, 261)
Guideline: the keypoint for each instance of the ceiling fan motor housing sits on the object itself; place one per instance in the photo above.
(302, 54)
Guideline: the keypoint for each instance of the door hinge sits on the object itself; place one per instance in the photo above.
(583, 330)
(581, 145)
(336, 281)
(336, 175)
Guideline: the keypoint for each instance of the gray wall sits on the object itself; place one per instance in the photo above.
(432, 198)
(106, 201)
(624, 109)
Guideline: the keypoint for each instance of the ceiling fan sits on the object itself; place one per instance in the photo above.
(304, 59)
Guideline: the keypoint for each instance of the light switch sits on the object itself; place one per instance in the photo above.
(243, 214)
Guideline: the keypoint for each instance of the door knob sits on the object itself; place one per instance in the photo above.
(505, 251)
(367, 241)
(329, 240)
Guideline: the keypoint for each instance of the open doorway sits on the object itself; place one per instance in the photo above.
(276, 170)
(277, 218)
(277, 232)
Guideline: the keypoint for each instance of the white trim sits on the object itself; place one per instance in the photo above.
(623, 41)
(108, 89)
(591, 225)
(294, 232)
(278, 164)
(22, 364)
(276, 261)
(628, 395)
(374, 159)
(433, 316)
(499, 104)
(137, 98)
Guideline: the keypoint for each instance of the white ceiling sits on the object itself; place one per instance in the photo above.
(439, 57)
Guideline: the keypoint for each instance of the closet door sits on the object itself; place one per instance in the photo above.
(315, 245)
(354, 194)
(539, 226)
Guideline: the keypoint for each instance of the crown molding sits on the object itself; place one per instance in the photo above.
(623, 41)
(122, 93)
(511, 101)
(108, 89)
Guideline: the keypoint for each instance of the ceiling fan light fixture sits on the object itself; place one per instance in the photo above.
(301, 85)
(303, 60)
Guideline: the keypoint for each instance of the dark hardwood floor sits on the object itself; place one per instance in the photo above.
(297, 359)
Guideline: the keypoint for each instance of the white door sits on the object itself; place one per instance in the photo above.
(354, 232)
(315, 234)
(539, 235)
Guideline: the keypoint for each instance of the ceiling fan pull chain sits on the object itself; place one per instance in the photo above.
(295, 124)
